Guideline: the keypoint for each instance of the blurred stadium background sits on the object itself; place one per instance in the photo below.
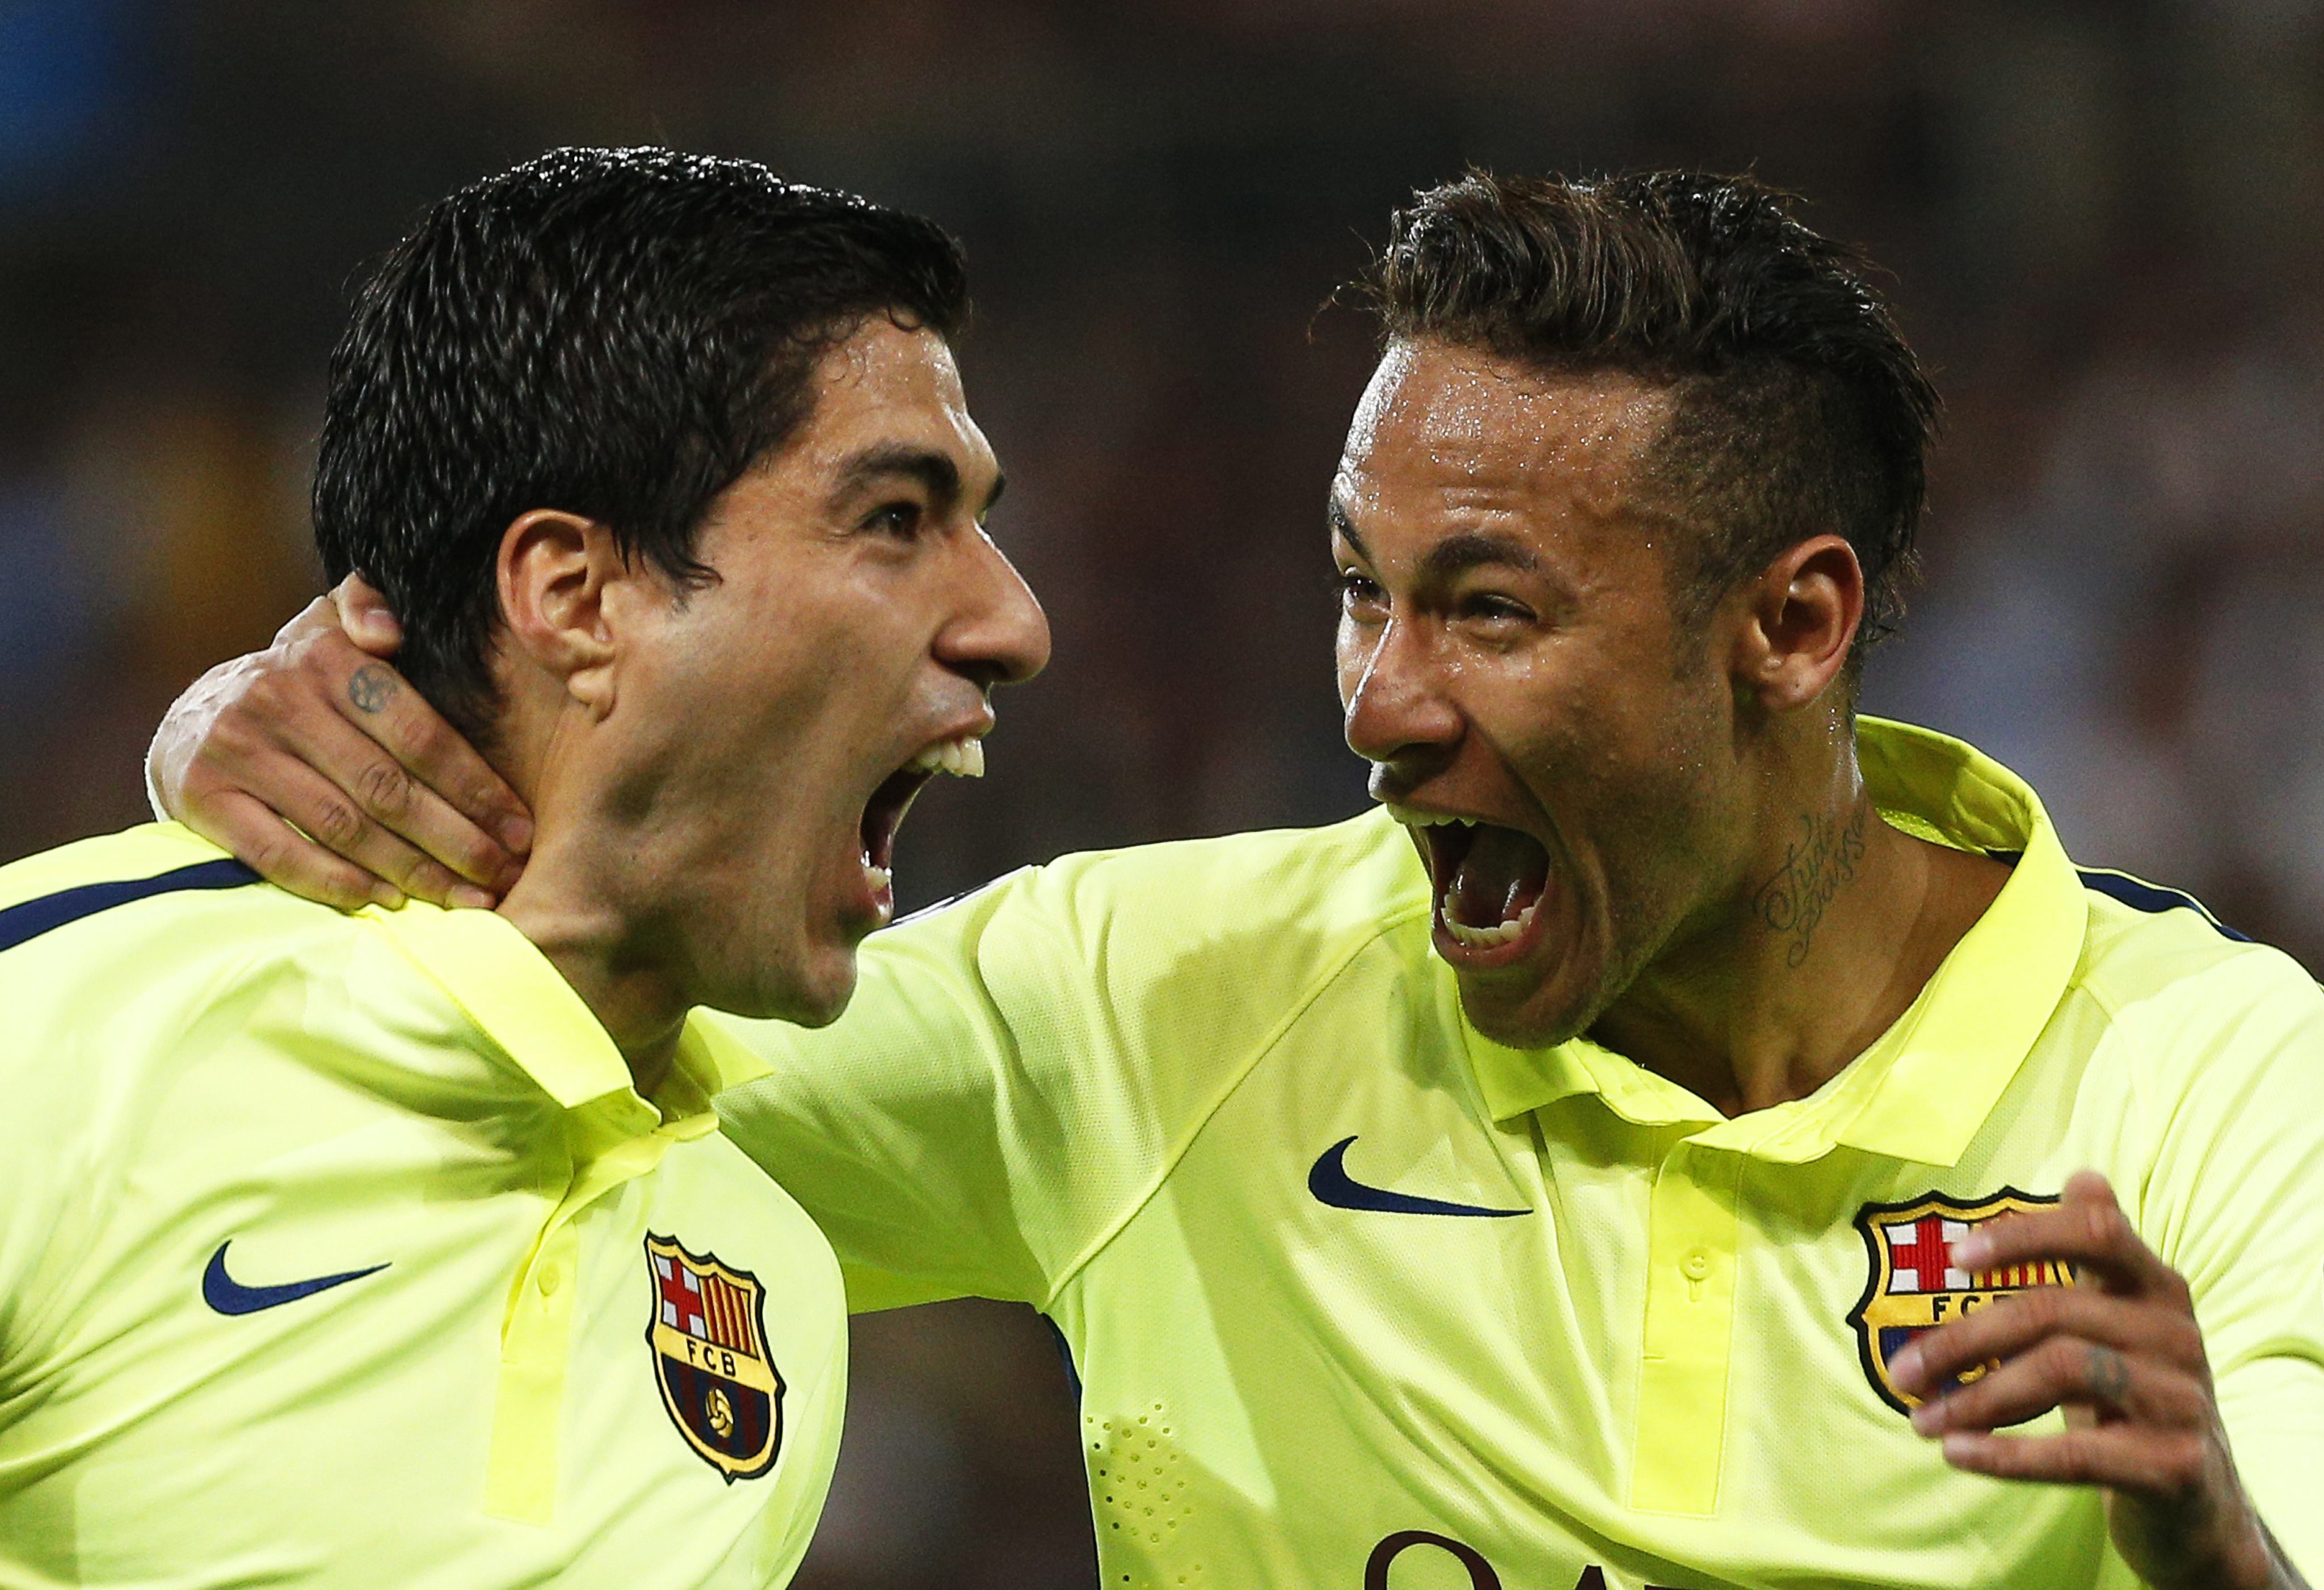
(2105, 220)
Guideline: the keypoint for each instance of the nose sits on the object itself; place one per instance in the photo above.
(1393, 697)
(1001, 636)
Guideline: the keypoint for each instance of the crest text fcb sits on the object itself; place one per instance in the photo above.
(1916, 1285)
(709, 1338)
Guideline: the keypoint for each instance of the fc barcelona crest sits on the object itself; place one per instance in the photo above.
(1916, 1286)
(709, 1341)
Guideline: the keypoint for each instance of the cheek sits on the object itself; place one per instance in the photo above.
(1626, 771)
(770, 692)
(1348, 656)
(743, 703)
(1556, 718)
(1661, 814)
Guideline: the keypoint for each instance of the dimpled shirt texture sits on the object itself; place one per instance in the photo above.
(1358, 1296)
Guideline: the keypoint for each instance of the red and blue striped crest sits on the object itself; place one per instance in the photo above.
(1916, 1285)
(709, 1340)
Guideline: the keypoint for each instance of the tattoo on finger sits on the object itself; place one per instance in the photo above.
(2109, 1375)
(370, 688)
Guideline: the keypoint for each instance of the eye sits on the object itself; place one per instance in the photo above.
(1359, 591)
(1493, 609)
(901, 518)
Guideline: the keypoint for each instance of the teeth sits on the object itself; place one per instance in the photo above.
(879, 877)
(1484, 938)
(1413, 819)
(962, 757)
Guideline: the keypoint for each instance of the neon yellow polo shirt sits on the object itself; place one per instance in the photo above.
(339, 1251)
(1362, 1301)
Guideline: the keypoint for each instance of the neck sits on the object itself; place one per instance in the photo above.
(1839, 922)
(583, 899)
(563, 903)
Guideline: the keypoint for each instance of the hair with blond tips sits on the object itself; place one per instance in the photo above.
(1797, 408)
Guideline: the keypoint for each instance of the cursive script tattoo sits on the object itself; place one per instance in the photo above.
(1793, 902)
(370, 688)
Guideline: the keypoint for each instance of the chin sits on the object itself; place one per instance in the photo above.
(811, 997)
(1531, 1016)
(822, 1002)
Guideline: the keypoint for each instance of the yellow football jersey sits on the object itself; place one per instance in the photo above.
(339, 1251)
(1361, 1300)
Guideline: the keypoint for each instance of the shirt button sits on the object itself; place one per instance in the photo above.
(1695, 1265)
(550, 1279)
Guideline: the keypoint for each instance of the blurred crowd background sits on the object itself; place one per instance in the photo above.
(2105, 220)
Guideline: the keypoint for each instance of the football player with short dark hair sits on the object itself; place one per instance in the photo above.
(403, 1248)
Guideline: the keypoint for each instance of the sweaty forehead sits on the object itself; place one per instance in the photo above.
(1441, 426)
(888, 381)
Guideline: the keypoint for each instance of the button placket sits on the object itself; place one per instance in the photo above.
(1687, 1342)
(521, 1471)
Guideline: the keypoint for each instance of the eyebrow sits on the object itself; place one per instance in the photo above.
(933, 470)
(1479, 549)
(1468, 550)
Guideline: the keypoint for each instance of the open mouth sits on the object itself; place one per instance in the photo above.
(961, 757)
(1489, 880)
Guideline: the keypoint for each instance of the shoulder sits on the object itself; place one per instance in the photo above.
(2204, 1099)
(2187, 998)
(155, 890)
(118, 950)
(161, 856)
(1278, 906)
(2154, 947)
(167, 1016)
(1351, 866)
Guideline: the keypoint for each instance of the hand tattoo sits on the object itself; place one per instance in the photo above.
(2109, 1375)
(1793, 901)
(370, 688)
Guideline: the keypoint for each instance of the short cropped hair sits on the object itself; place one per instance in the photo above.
(618, 333)
(1796, 407)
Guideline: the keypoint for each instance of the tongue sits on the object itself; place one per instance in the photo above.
(1503, 872)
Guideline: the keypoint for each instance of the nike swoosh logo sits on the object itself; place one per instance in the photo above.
(1332, 1184)
(224, 1294)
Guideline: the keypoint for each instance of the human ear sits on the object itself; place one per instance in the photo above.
(1801, 623)
(555, 571)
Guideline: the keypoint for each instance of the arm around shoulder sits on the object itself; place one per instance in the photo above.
(1020, 1069)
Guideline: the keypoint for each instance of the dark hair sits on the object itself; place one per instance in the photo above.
(620, 334)
(1797, 408)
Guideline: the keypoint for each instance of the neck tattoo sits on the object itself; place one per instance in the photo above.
(1822, 859)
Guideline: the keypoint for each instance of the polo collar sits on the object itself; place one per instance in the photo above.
(1926, 1085)
(512, 991)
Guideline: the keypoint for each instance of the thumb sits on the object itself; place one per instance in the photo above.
(363, 614)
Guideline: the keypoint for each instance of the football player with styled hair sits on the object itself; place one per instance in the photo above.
(403, 1248)
(1689, 1134)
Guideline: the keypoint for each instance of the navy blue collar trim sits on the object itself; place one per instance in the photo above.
(2135, 893)
(23, 922)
